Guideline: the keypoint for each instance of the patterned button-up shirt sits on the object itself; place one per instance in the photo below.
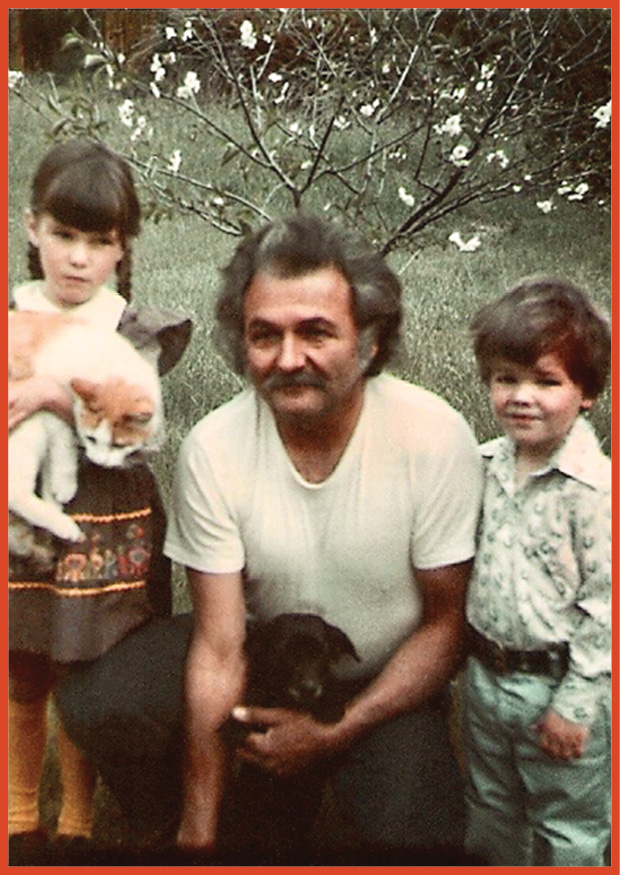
(543, 565)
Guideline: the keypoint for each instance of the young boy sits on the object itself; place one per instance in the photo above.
(537, 697)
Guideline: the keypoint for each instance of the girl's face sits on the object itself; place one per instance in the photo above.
(536, 405)
(75, 263)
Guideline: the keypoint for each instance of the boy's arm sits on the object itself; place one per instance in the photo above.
(587, 680)
(29, 395)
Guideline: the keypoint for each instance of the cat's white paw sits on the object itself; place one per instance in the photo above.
(64, 490)
(70, 531)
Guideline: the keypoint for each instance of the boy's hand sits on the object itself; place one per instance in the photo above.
(561, 739)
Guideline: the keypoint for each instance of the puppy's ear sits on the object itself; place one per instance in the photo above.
(340, 645)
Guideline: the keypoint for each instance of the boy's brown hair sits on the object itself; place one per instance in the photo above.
(540, 315)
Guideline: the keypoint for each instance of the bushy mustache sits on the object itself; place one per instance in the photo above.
(290, 381)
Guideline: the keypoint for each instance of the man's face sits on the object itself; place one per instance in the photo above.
(302, 344)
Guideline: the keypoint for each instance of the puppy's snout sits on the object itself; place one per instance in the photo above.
(306, 690)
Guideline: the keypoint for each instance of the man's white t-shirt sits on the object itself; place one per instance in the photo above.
(405, 495)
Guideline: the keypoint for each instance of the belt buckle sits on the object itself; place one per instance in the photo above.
(500, 660)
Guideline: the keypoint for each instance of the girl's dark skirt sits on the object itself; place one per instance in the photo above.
(100, 589)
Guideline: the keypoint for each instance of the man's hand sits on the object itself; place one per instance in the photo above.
(288, 740)
(561, 739)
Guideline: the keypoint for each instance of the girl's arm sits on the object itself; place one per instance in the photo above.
(37, 393)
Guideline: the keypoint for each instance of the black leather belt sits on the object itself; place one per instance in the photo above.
(552, 662)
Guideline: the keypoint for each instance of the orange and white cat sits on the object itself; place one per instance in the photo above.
(116, 406)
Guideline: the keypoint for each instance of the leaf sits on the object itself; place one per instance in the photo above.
(230, 153)
(93, 61)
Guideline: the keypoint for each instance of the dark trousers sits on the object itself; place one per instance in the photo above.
(399, 788)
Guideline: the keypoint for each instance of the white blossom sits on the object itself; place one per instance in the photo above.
(459, 93)
(218, 201)
(341, 122)
(275, 77)
(464, 245)
(155, 90)
(603, 115)
(188, 33)
(282, 95)
(458, 156)
(295, 128)
(248, 36)
(451, 126)
(16, 77)
(545, 206)
(175, 161)
(517, 188)
(139, 128)
(125, 112)
(171, 33)
(579, 192)
(368, 109)
(406, 198)
(191, 85)
(169, 58)
(499, 156)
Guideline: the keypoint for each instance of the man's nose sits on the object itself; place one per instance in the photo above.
(292, 356)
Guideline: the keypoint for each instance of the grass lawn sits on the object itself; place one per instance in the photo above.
(176, 267)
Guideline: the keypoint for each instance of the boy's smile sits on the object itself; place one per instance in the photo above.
(536, 404)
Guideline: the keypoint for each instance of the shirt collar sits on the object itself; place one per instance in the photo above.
(578, 456)
(104, 309)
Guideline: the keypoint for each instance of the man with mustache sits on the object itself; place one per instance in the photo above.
(326, 486)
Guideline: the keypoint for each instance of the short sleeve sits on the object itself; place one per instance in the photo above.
(450, 478)
(202, 530)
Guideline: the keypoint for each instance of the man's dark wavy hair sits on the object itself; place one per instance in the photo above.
(296, 246)
(541, 315)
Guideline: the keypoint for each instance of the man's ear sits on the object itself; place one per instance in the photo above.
(587, 403)
(368, 347)
(32, 227)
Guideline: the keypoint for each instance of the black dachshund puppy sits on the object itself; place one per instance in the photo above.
(291, 663)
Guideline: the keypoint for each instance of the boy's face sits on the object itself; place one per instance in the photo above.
(536, 405)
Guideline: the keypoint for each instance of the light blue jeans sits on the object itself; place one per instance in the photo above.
(523, 808)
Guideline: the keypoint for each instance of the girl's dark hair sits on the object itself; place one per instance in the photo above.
(299, 245)
(541, 315)
(86, 185)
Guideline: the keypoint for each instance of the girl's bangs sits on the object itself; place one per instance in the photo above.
(86, 203)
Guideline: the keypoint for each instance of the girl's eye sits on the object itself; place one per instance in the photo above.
(549, 382)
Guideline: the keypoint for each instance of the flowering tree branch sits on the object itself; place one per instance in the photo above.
(391, 119)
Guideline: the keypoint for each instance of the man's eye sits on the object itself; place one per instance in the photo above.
(262, 337)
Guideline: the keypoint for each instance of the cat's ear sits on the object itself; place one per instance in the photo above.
(86, 389)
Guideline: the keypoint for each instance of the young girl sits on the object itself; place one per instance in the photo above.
(537, 703)
(83, 215)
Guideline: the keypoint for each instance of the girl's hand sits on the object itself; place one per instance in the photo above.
(37, 393)
(561, 739)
